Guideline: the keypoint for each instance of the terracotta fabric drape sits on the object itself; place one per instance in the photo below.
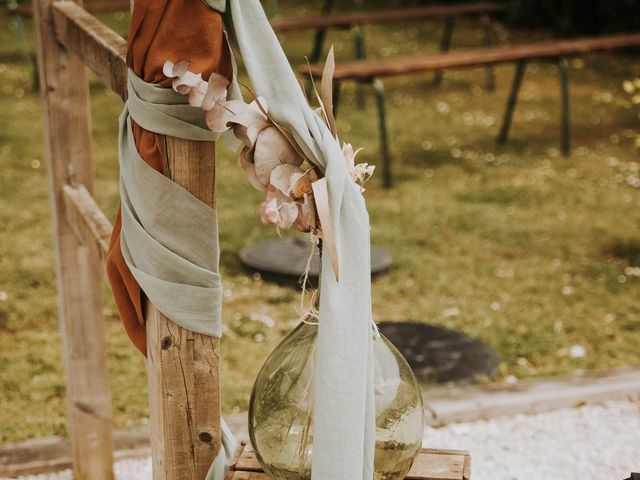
(161, 30)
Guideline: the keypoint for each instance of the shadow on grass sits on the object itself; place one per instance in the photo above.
(624, 249)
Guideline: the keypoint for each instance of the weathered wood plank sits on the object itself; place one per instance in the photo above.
(431, 464)
(52, 454)
(67, 128)
(437, 466)
(93, 6)
(348, 19)
(247, 460)
(87, 221)
(101, 49)
(473, 58)
(183, 366)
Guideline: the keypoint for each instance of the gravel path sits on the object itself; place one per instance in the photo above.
(588, 443)
(595, 442)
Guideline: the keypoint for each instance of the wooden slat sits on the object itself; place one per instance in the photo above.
(101, 49)
(87, 221)
(183, 366)
(347, 19)
(477, 57)
(431, 464)
(247, 460)
(52, 454)
(95, 6)
(466, 474)
(434, 465)
(67, 130)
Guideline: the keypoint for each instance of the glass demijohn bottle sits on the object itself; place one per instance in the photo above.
(281, 409)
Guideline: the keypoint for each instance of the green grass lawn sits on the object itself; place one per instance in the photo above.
(532, 252)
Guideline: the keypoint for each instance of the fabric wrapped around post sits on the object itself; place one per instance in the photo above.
(159, 32)
(165, 243)
(169, 238)
(344, 411)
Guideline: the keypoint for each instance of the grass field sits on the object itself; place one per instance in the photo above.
(532, 252)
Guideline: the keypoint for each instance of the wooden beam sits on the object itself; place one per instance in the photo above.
(87, 221)
(99, 47)
(96, 6)
(53, 454)
(67, 131)
(348, 19)
(183, 366)
(365, 69)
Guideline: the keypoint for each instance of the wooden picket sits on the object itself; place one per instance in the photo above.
(67, 122)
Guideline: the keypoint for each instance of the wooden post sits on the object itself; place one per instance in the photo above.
(183, 367)
(67, 128)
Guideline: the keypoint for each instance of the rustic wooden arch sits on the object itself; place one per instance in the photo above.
(183, 367)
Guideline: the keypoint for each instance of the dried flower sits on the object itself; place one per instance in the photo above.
(361, 172)
(200, 93)
(269, 158)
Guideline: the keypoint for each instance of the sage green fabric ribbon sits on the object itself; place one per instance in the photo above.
(169, 238)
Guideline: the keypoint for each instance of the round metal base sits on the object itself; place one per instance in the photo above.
(288, 256)
(440, 355)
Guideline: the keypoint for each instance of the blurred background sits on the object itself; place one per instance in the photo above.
(533, 253)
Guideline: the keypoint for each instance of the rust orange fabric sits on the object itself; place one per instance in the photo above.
(161, 30)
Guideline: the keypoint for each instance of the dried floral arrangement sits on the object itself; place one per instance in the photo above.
(272, 160)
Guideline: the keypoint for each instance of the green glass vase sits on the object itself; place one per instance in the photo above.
(281, 415)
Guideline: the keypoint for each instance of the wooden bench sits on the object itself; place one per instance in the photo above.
(371, 71)
(430, 464)
(355, 19)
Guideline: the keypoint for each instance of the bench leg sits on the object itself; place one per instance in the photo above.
(318, 45)
(563, 70)
(336, 97)
(272, 8)
(320, 35)
(358, 54)
(378, 88)
(445, 45)
(511, 102)
(485, 19)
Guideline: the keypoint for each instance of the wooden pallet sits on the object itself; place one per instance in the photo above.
(431, 464)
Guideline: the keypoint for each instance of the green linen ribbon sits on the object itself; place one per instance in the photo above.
(169, 238)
